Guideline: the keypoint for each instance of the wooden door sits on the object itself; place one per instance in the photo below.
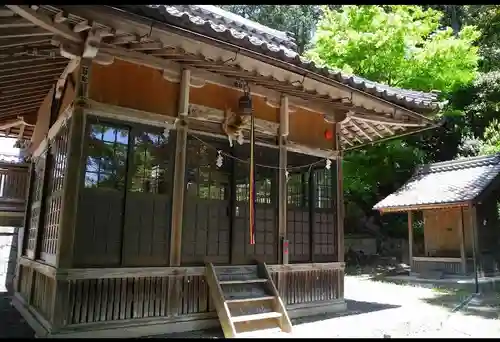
(265, 248)
(146, 231)
(101, 203)
(206, 223)
(323, 222)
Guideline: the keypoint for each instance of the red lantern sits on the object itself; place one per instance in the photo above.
(328, 134)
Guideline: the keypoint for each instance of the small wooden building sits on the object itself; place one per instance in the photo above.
(459, 201)
(137, 217)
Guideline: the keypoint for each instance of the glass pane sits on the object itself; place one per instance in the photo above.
(107, 156)
(149, 170)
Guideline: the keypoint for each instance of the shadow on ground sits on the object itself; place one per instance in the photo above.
(353, 308)
(489, 308)
(12, 325)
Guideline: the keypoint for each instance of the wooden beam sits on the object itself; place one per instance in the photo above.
(42, 64)
(179, 172)
(14, 22)
(461, 236)
(27, 104)
(21, 59)
(353, 122)
(60, 17)
(70, 67)
(476, 254)
(282, 180)
(422, 207)
(339, 198)
(30, 79)
(38, 72)
(162, 64)
(410, 237)
(15, 42)
(46, 23)
(23, 32)
(25, 99)
(382, 118)
(30, 88)
(374, 129)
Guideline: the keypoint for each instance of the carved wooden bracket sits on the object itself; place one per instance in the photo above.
(203, 113)
(175, 77)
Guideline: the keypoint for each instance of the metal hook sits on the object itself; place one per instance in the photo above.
(301, 82)
(233, 59)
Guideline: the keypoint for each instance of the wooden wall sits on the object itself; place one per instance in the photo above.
(143, 88)
(442, 231)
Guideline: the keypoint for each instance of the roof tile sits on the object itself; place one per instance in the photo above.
(446, 182)
(220, 24)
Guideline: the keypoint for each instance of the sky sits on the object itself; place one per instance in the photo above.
(7, 146)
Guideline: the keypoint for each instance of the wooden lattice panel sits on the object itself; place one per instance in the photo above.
(36, 193)
(323, 219)
(56, 176)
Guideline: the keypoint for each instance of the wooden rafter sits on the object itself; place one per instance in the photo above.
(361, 130)
(374, 129)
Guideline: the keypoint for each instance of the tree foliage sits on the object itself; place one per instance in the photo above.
(400, 46)
(299, 20)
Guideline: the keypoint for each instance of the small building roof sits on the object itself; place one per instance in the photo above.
(449, 182)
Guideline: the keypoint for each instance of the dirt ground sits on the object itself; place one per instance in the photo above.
(375, 309)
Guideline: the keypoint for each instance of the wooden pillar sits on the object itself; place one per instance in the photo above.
(74, 168)
(179, 171)
(339, 195)
(475, 241)
(461, 235)
(282, 181)
(179, 189)
(410, 237)
(283, 246)
(23, 236)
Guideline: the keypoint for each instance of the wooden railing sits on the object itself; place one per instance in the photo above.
(13, 182)
(104, 295)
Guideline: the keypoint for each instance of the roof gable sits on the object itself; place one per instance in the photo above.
(446, 182)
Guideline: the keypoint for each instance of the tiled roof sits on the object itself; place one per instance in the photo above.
(446, 182)
(220, 24)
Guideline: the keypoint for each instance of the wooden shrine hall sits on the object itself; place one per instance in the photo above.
(149, 121)
(459, 202)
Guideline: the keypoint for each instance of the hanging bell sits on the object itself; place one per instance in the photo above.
(245, 104)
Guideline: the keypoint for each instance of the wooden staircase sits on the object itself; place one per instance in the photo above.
(246, 300)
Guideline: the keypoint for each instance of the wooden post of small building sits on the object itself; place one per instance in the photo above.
(410, 238)
(178, 187)
(339, 196)
(65, 241)
(475, 241)
(340, 207)
(461, 235)
(282, 193)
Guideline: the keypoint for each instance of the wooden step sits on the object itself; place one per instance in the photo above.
(256, 317)
(249, 299)
(242, 281)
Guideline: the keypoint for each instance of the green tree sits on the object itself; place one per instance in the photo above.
(299, 20)
(400, 46)
(403, 46)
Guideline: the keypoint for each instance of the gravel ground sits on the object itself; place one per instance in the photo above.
(375, 309)
(392, 310)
